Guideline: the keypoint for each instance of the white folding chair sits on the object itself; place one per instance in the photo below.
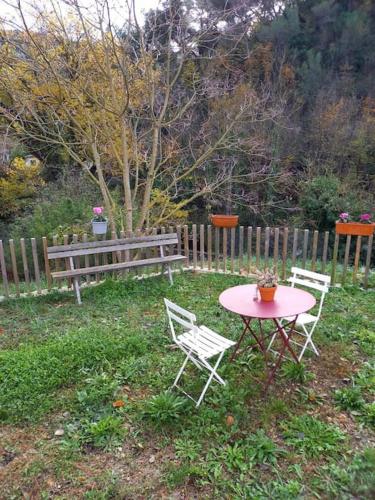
(198, 343)
(306, 321)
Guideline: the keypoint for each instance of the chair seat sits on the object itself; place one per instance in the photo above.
(303, 319)
(205, 343)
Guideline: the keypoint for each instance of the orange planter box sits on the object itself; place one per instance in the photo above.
(355, 228)
(224, 220)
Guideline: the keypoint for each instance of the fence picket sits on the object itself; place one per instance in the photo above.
(4, 270)
(14, 267)
(346, 259)
(276, 248)
(240, 249)
(266, 246)
(36, 264)
(209, 247)
(249, 248)
(186, 244)
(285, 251)
(46, 263)
(356, 258)
(368, 260)
(325, 251)
(257, 246)
(96, 261)
(305, 245)
(25, 264)
(334, 259)
(201, 245)
(195, 250)
(295, 243)
(314, 250)
(225, 247)
(232, 248)
(87, 260)
(217, 247)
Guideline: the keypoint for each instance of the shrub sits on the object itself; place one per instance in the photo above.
(164, 408)
(312, 436)
(349, 398)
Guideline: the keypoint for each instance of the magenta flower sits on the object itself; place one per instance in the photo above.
(344, 216)
(365, 218)
(98, 210)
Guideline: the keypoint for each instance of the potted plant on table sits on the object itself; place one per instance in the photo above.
(99, 221)
(363, 227)
(267, 284)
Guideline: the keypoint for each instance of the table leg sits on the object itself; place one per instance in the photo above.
(286, 345)
(260, 340)
(246, 329)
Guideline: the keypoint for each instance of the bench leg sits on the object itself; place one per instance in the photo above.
(77, 290)
(170, 275)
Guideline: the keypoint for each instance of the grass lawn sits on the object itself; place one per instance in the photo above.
(62, 366)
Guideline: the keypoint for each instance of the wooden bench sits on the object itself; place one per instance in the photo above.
(118, 249)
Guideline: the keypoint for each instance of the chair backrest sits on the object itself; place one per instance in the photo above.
(311, 279)
(181, 316)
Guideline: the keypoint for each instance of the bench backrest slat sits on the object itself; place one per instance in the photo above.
(97, 247)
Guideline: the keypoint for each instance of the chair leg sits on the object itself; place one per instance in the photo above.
(181, 371)
(213, 374)
(308, 341)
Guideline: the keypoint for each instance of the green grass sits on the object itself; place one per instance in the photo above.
(63, 366)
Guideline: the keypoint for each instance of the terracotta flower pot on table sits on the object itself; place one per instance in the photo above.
(267, 294)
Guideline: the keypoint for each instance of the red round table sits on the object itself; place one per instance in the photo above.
(289, 302)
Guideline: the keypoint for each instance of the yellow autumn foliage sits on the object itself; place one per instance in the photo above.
(18, 186)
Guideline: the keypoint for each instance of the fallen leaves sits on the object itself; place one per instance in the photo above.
(118, 404)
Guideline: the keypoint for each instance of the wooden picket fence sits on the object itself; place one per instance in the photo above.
(238, 250)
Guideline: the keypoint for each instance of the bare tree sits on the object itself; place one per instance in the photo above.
(140, 102)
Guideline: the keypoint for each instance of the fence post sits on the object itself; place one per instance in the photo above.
(217, 247)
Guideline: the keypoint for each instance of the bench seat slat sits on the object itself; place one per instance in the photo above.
(116, 267)
(115, 247)
(109, 243)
